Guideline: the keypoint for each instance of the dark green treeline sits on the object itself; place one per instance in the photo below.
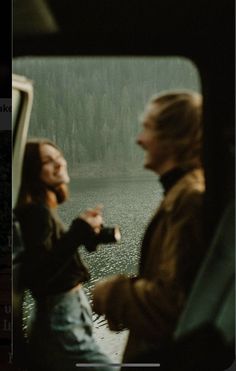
(90, 106)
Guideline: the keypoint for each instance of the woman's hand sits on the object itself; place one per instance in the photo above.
(93, 217)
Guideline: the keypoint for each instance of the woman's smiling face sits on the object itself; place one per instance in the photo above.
(54, 166)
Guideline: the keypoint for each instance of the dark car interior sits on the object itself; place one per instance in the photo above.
(202, 31)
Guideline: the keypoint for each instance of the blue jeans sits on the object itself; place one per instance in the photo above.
(61, 336)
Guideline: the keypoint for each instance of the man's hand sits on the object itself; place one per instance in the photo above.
(101, 293)
(106, 301)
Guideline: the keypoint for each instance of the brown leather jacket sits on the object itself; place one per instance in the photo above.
(150, 304)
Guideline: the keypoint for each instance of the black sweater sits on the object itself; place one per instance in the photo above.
(51, 262)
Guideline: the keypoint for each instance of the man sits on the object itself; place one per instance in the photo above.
(150, 304)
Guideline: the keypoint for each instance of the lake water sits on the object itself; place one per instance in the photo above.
(130, 203)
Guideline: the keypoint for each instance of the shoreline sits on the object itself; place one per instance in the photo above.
(106, 171)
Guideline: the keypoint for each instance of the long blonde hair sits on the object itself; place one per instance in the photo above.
(178, 117)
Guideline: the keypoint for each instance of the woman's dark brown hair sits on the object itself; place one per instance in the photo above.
(32, 189)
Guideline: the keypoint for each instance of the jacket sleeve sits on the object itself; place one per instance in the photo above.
(151, 307)
(139, 305)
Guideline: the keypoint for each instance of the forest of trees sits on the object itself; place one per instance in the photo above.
(90, 106)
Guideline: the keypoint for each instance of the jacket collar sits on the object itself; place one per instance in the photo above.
(193, 180)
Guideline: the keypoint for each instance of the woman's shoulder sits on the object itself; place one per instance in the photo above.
(31, 211)
(35, 221)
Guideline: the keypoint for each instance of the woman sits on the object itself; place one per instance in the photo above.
(61, 333)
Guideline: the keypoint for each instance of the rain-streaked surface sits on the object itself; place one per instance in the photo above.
(90, 107)
(130, 203)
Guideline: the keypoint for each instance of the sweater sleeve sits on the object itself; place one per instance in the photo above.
(38, 229)
(47, 250)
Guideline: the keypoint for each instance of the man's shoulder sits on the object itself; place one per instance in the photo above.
(190, 188)
(194, 180)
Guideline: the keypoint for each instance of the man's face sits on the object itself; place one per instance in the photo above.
(156, 154)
